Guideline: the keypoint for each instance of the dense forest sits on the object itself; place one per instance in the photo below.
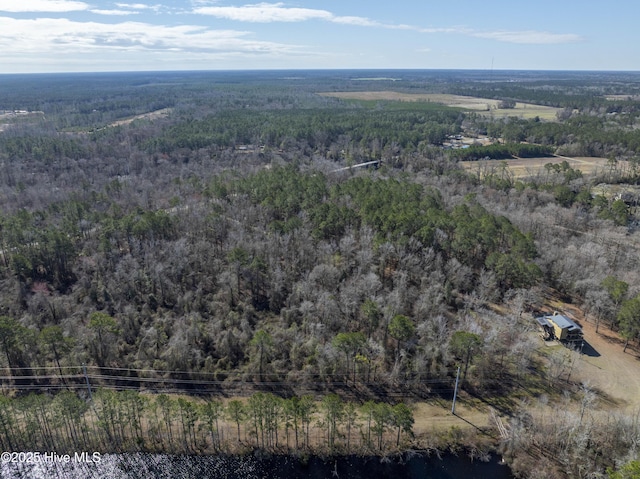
(211, 234)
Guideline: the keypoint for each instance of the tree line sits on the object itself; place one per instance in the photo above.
(127, 421)
(319, 128)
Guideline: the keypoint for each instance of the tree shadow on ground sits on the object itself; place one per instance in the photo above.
(605, 398)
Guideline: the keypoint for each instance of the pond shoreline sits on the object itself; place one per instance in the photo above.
(260, 464)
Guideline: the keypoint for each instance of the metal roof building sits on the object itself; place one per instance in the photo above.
(560, 327)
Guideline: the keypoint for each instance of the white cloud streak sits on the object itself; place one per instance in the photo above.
(530, 37)
(265, 13)
(139, 6)
(52, 6)
(358, 21)
(49, 36)
(134, 6)
(278, 12)
(114, 12)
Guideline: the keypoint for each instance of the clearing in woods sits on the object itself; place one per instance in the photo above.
(531, 167)
(485, 106)
(604, 366)
(152, 115)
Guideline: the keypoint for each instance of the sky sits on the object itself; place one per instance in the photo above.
(38, 36)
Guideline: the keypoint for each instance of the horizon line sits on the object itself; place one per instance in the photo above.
(265, 70)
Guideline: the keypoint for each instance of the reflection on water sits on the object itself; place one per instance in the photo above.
(125, 466)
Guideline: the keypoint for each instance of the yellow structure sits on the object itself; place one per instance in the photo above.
(558, 326)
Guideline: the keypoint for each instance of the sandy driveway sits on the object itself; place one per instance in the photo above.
(614, 373)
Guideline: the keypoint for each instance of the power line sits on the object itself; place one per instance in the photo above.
(164, 371)
(91, 378)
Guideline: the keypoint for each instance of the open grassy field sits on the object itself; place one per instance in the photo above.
(153, 115)
(528, 167)
(481, 105)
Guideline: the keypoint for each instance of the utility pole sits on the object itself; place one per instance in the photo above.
(455, 393)
(86, 377)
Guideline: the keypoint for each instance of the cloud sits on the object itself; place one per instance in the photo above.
(265, 13)
(54, 6)
(358, 21)
(458, 30)
(278, 12)
(134, 6)
(59, 36)
(531, 37)
(114, 12)
(138, 6)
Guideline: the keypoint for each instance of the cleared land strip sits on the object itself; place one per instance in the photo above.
(486, 106)
(152, 115)
(529, 167)
(51, 378)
